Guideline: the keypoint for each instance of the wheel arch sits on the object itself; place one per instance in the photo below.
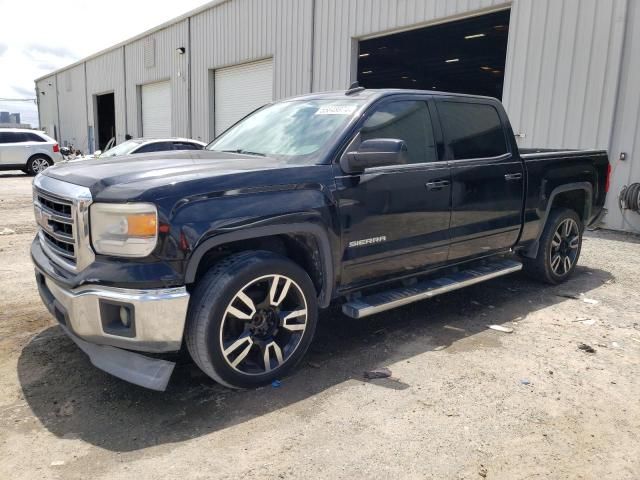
(577, 196)
(40, 154)
(291, 240)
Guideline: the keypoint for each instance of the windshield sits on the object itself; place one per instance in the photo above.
(122, 149)
(296, 131)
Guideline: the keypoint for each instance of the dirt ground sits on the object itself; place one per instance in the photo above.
(464, 401)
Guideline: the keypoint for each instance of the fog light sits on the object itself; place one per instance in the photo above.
(118, 318)
(125, 317)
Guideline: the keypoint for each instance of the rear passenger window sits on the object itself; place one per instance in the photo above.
(155, 147)
(404, 120)
(34, 137)
(473, 130)
(186, 146)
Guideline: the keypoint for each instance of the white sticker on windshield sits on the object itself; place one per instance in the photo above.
(336, 110)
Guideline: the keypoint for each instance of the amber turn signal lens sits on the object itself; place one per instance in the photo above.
(142, 225)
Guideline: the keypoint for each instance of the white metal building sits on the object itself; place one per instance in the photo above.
(568, 71)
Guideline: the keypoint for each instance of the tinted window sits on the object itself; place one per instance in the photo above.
(155, 147)
(405, 120)
(34, 137)
(473, 130)
(11, 137)
(186, 146)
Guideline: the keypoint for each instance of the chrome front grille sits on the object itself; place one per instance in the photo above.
(55, 218)
(62, 214)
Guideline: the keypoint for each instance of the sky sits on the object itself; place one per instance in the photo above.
(37, 37)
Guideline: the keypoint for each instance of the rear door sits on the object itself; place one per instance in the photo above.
(487, 177)
(395, 219)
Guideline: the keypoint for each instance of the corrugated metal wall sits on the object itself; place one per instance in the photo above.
(626, 127)
(563, 64)
(72, 104)
(571, 80)
(106, 74)
(48, 105)
(167, 64)
(240, 31)
(339, 23)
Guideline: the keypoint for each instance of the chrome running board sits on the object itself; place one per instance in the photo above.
(383, 301)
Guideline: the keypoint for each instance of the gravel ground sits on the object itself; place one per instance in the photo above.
(464, 401)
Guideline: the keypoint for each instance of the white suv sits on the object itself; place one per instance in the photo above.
(27, 150)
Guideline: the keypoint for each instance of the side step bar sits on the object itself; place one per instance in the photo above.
(383, 301)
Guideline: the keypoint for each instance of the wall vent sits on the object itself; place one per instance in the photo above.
(150, 53)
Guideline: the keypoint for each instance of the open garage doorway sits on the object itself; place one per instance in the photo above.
(462, 56)
(105, 119)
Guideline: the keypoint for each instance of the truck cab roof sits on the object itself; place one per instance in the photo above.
(373, 94)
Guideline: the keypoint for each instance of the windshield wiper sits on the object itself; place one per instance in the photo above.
(245, 152)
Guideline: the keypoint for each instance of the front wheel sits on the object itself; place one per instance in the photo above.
(251, 319)
(559, 249)
(37, 164)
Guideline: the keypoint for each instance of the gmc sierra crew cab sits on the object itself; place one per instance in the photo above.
(371, 198)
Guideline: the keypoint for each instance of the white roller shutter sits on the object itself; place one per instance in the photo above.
(156, 110)
(241, 89)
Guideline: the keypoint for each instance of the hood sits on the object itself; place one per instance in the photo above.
(127, 177)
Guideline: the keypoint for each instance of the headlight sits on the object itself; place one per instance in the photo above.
(124, 229)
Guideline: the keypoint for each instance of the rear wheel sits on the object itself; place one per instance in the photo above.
(37, 164)
(251, 319)
(559, 249)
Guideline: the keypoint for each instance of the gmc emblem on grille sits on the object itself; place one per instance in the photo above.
(43, 218)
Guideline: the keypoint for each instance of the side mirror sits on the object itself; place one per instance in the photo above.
(377, 152)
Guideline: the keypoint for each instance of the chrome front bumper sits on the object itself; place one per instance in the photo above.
(89, 315)
(91, 312)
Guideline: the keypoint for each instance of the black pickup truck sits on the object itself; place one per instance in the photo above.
(372, 198)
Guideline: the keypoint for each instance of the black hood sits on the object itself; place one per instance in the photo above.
(128, 177)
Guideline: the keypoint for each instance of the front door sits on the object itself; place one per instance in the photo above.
(395, 219)
(487, 179)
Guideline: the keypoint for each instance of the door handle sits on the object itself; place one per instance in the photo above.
(513, 176)
(438, 185)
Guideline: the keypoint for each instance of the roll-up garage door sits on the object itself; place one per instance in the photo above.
(156, 110)
(241, 89)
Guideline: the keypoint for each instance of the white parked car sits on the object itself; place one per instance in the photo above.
(147, 145)
(28, 150)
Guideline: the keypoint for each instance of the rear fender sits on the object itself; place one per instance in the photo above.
(532, 250)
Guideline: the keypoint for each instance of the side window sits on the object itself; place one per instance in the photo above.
(12, 137)
(34, 137)
(186, 146)
(404, 120)
(155, 147)
(473, 130)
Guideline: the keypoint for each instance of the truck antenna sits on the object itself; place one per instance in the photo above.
(354, 88)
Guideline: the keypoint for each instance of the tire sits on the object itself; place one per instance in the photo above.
(241, 330)
(559, 248)
(37, 164)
